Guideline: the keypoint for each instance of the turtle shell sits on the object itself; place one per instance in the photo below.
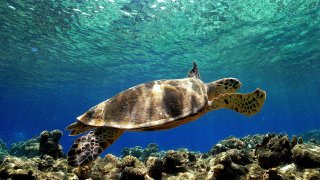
(149, 105)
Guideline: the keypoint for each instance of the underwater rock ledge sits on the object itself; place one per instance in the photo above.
(269, 156)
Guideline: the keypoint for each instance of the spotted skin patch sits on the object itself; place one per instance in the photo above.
(88, 147)
(222, 86)
(246, 104)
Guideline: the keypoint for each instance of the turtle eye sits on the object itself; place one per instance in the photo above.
(235, 83)
(90, 113)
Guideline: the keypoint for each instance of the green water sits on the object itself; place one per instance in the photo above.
(106, 40)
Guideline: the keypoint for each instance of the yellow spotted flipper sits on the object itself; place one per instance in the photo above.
(246, 104)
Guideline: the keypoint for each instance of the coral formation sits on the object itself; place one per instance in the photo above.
(131, 168)
(306, 155)
(247, 142)
(49, 144)
(155, 167)
(273, 150)
(311, 136)
(45, 144)
(34, 168)
(3, 151)
(142, 154)
(28, 148)
(175, 162)
(270, 156)
(226, 144)
(224, 165)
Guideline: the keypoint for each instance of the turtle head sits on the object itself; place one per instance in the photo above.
(222, 86)
(93, 116)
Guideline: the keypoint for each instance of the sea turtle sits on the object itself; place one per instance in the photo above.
(156, 105)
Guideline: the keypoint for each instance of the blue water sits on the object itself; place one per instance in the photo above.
(58, 59)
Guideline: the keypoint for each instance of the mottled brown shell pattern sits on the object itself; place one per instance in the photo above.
(150, 105)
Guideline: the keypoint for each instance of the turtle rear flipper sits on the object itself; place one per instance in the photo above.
(88, 147)
(246, 104)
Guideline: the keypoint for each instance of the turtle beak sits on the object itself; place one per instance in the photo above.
(81, 117)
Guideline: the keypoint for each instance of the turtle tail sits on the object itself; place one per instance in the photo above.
(88, 147)
(194, 72)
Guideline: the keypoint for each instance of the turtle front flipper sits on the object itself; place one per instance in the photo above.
(88, 147)
(246, 104)
(194, 72)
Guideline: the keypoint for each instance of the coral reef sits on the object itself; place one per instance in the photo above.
(45, 144)
(49, 144)
(35, 168)
(274, 150)
(155, 167)
(225, 166)
(270, 156)
(306, 155)
(131, 168)
(3, 151)
(29, 148)
(142, 154)
(311, 136)
(226, 144)
(247, 142)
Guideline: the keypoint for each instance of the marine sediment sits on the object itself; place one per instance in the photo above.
(268, 156)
